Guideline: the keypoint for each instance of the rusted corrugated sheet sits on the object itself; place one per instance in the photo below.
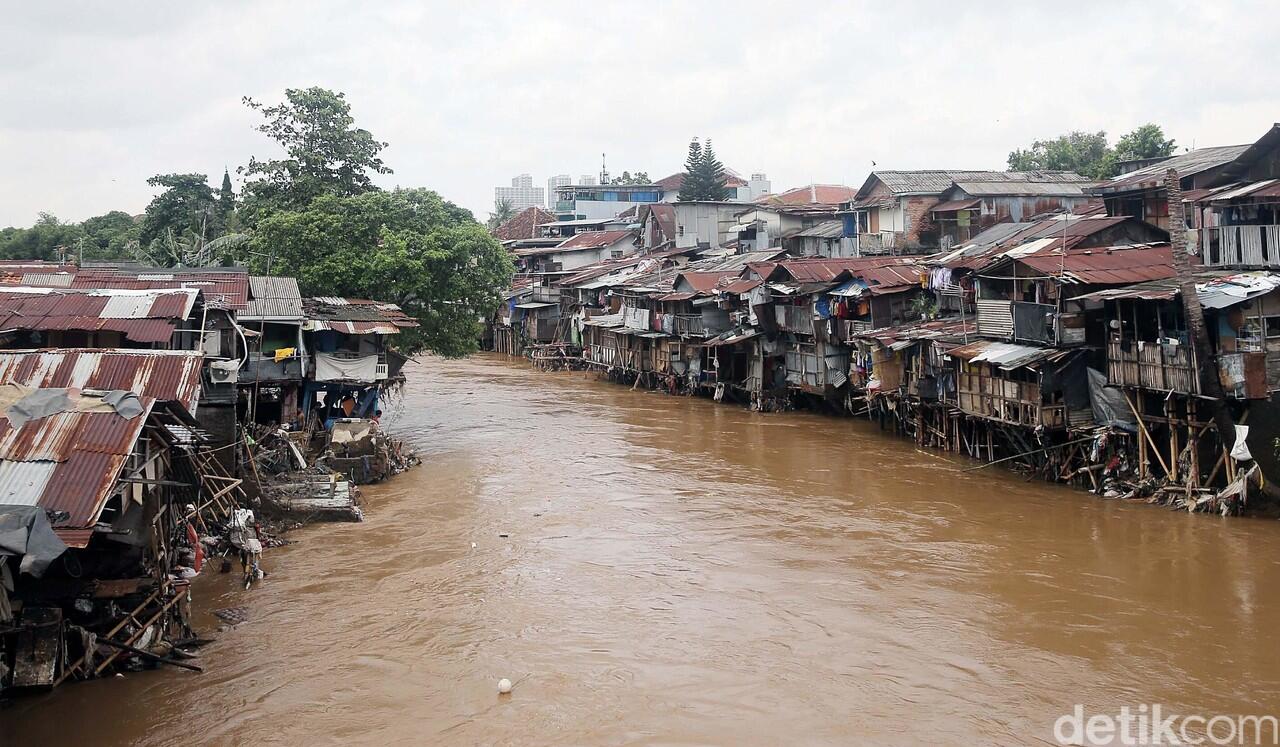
(82, 484)
(140, 317)
(164, 375)
(1106, 267)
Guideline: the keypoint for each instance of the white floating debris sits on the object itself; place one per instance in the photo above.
(504, 686)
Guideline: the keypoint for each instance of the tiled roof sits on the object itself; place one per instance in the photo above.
(819, 194)
(675, 181)
(523, 225)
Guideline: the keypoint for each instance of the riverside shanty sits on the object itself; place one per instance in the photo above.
(1031, 319)
(150, 421)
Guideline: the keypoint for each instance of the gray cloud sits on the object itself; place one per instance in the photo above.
(98, 97)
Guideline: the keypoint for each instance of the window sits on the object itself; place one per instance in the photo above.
(680, 230)
(1273, 326)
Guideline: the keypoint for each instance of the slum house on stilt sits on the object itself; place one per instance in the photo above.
(351, 357)
(808, 311)
(270, 381)
(103, 485)
(1153, 362)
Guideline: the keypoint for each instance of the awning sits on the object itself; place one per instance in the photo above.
(733, 337)
(1004, 354)
(849, 288)
(953, 205)
(535, 305)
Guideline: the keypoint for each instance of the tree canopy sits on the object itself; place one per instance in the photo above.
(1089, 154)
(185, 206)
(406, 246)
(326, 154)
(704, 175)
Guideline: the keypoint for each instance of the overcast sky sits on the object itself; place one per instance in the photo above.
(99, 96)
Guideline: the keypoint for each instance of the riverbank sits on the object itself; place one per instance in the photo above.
(677, 571)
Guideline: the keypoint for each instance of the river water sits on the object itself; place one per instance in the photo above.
(662, 570)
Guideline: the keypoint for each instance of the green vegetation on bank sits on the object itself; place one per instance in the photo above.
(315, 214)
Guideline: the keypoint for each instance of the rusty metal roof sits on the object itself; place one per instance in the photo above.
(821, 269)
(1187, 164)
(1112, 266)
(355, 316)
(167, 375)
(141, 316)
(67, 462)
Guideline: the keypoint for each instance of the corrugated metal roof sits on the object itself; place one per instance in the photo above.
(1015, 189)
(936, 181)
(1120, 266)
(592, 240)
(142, 316)
(172, 376)
(273, 298)
(1215, 289)
(326, 312)
(68, 461)
(22, 483)
(1006, 355)
(1187, 164)
(827, 229)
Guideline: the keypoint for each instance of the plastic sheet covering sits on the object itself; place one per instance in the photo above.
(333, 368)
(25, 533)
(1240, 451)
(1109, 406)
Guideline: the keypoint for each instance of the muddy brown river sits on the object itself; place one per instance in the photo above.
(661, 570)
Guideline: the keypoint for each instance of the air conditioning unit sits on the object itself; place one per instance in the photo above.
(223, 374)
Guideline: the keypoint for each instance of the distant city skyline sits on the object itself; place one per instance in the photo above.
(463, 113)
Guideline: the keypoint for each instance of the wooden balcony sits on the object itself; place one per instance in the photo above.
(1150, 365)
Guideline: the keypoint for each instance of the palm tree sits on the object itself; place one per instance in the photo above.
(503, 211)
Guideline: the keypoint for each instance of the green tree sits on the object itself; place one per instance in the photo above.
(713, 174)
(503, 211)
(406, 246)
(186, 205)
(1147, 141)
(1085, 153)
(112, 235)
(692, 188)
(224, 211)
(326, 154)
(48, 239)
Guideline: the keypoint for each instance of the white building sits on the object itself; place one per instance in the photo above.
(757, 187)
(521, 194)
(553, 184)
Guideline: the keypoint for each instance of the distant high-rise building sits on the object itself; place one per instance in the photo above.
(586, 180)
(521, 194)
(559, 180)
(759, 185)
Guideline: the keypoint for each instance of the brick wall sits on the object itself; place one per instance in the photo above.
(920, 228)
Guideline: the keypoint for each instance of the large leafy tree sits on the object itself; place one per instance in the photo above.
(185, 206)
(1085, 153)
(405, 246)
(1147, 141)
(49, 239)
(1088, 153)
(325, 153)
(112, 235)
